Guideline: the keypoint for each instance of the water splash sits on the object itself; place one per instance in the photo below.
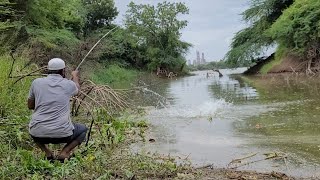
(161, 100)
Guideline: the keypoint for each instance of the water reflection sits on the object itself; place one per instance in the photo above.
(232, 89)
(292, 128)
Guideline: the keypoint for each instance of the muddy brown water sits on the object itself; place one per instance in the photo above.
(212, 120)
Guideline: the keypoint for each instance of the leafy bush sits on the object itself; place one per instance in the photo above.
(44, 29)
(299, 26)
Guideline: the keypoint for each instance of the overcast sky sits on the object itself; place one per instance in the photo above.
(212, 24)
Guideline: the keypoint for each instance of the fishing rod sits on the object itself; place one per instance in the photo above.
(82, 61)
(95, 46)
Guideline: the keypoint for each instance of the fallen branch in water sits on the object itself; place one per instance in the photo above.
(241, 159)
(270, 156)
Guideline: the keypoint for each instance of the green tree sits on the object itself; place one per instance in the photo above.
(122, 49)
(41, 17)
(11, 20)
(11, 13)
(55, 14)
(157, 29)
(6, 13)
(299, 27)
(251, 42)
(99, 14)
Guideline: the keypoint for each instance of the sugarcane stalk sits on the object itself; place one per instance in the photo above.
(94, 47)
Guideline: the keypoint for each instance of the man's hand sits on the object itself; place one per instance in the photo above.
(75, 74)
(75, 78)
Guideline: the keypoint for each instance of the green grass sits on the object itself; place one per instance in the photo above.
(115, 76)
(13, 97)
(56, 38)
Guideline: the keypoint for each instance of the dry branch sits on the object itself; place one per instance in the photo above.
(12, 65)
(239, 162)
(26, 75)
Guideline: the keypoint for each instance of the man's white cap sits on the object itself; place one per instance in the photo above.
(56, 64)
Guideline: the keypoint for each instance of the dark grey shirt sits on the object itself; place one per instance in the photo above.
(51, 116)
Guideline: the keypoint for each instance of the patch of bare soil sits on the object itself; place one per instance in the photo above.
(290, 63)
(226, 174)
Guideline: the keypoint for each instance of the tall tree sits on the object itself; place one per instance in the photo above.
(99, 14)
(158, 30)
(11, 13)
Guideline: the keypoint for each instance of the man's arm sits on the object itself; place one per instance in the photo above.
(31, 98)
(76, 79)
(31, 104)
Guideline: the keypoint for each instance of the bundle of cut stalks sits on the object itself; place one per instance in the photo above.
(93, 96)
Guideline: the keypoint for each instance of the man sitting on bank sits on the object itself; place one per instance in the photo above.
(49, 97)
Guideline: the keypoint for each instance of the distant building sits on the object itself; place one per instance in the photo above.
(199, 60)
(203, 60)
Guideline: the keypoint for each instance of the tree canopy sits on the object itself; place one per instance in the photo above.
(158, 30)
(299, 26)
(99, 13)
(292, 25)
(253, 41)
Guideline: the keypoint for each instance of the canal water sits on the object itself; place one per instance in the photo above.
(213, 120)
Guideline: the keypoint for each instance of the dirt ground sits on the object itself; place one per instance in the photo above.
(290, 63)
(225, 174)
